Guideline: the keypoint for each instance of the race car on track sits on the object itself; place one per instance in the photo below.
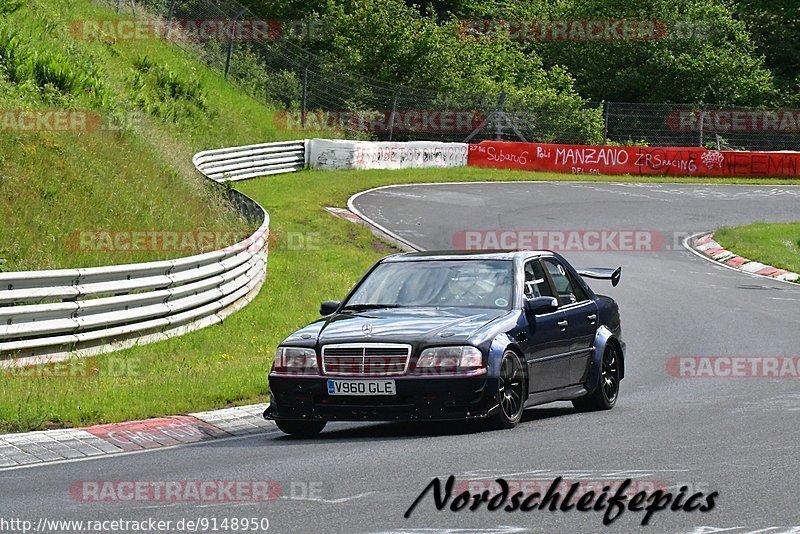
(452, 336)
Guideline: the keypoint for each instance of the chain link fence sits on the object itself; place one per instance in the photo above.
(729, 128)
(311, 95)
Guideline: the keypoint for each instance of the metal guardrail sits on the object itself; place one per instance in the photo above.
(240, 163)
(52, 315)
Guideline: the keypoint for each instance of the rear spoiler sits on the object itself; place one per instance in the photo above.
(602, 273)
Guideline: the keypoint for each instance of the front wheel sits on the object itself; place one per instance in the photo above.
(511, 393)
(305, 429)
(604, 396)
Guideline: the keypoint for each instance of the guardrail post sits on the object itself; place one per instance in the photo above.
(393, 113)
(229, 54)
(305, 97)
(500, 113)
(702, 120)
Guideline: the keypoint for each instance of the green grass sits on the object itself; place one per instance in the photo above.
(776, 244)
(158, 105)
(227, 364)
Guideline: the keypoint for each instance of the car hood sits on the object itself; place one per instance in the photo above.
(406, 325)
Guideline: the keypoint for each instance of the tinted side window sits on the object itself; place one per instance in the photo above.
(580, 293)
(563, 285)
(536, 284)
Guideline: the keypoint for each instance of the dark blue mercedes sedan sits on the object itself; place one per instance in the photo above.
(452, 336)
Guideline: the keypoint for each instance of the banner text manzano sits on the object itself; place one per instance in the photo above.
(677, 161)
(613, 505)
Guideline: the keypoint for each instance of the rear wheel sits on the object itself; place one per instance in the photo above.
(301, 428)
(510, 393)
(604, 396)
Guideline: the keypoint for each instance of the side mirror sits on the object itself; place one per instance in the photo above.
(541, 305)
(328, 307)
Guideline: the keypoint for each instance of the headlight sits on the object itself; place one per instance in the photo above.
(449, 360)
(297, 360)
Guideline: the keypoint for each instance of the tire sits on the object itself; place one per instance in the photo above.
(511, 393)
(606, 392)
(305, 429)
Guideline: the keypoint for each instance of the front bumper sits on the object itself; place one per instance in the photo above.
(417, 399)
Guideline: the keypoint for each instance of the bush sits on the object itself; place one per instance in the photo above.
(13, 55)
(48, 68)
(164, 93)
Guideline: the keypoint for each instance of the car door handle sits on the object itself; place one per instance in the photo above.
(563, 324)
(592, 318)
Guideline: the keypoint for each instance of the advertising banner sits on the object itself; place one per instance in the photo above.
(676, 161)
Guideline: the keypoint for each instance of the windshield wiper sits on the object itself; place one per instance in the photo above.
(357, 307)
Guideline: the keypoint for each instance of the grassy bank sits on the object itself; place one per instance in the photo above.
(227, 364)
(776, 244)
(148, 106)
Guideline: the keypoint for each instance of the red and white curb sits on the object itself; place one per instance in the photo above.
(29, 448)
(706, 246)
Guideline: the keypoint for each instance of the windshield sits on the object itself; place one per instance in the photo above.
(456, 283)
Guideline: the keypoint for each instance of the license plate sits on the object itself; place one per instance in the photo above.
(361, 387)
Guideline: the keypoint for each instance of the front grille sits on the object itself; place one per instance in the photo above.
(365, 359)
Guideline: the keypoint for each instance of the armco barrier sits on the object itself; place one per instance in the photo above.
(242, 162)
(581, 159)
(56, 314)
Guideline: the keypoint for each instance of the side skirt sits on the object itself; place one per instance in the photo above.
(562, 394)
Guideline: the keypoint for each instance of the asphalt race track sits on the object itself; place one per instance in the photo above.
(737, 436)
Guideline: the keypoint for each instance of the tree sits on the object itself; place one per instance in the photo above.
(775, 29)
(696, 52)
